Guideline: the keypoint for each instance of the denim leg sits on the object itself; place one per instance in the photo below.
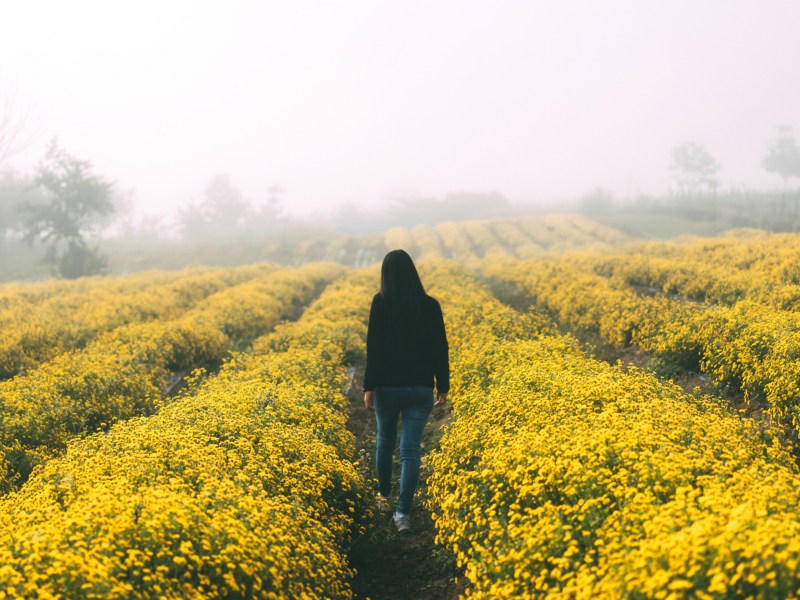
(386, 414)
(414, 419)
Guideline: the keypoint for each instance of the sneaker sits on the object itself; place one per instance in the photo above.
(382, 503)
(401, 522)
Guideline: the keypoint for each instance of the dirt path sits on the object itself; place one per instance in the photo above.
(389, 565)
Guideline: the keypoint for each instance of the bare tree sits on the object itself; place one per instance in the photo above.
(13, 138)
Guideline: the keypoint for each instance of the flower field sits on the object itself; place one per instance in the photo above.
(564, 476)
(122, 372)
(744, 264)
(465, 241)
(558, 475)
(242, 487)
(747, 340)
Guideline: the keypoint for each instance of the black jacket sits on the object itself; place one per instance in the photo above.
(407, 354)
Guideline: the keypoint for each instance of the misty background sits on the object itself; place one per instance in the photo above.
(310, 118)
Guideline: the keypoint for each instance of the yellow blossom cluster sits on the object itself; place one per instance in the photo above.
(562, 476)
(748, 345)
(122, 373)
(742, 264)
(426, 242)
(244, 487)
(41, 320)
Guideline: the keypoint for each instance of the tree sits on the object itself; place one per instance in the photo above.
(783, 155)
(14, 190)
(222, 211)
(694, 168)
(74, 201)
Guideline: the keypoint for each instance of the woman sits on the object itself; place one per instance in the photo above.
(406, 350)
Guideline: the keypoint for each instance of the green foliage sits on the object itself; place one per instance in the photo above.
(13, 191)
(76, 259)
(74, 200)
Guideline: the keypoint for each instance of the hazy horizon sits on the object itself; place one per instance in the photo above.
(368, 102)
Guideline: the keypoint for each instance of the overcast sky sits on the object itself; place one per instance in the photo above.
(365, 101)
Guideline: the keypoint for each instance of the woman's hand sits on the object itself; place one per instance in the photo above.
(369, 401)
(440, 399)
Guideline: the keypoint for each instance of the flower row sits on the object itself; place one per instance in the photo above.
(563, 476)
(523, 237)
(749, 346)
(42, 320)
(123, 372)
(244, 487)
(742, 264)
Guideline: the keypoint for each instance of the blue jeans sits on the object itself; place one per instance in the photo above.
(414, 403)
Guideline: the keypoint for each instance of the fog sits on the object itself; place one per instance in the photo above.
(366, 103)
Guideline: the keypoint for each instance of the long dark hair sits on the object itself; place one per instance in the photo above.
(401, 287)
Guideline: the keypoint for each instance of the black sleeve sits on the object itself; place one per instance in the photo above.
(376, 337)
(441, 358)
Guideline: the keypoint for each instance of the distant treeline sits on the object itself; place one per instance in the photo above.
(700, 213)
(223, 228)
